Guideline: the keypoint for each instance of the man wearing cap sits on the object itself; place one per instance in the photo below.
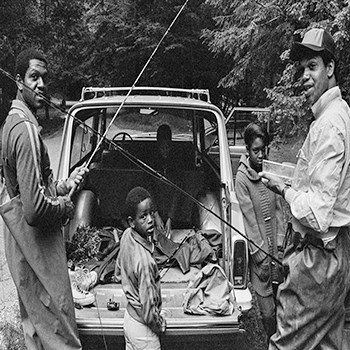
(310, 302)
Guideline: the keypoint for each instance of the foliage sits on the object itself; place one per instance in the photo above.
(231, 47)
(84, 245)
(124, 40)
(11, 333)
(289, 113)
(253, 34)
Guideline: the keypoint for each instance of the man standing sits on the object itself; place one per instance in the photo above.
(38, 262)
(310, 302)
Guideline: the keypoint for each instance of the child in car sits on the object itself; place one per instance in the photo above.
(143, 322)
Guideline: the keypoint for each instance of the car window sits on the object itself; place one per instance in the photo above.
(81, 142)
(141, 124)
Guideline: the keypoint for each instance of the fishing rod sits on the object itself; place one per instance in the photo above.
(145, 167)
(127, 154)
(135, 82)
(116, 114)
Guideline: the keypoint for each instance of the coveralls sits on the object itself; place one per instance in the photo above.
(38, 262)
(310, 303)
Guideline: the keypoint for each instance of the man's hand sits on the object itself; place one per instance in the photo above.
(68, 208)
(274, 183)
(76, 178)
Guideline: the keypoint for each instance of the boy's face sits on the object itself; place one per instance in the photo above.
(143, 222)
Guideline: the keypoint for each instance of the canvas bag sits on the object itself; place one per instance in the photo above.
(210, 293)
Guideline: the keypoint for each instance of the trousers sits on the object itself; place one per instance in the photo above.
(138, 336)
(310, 306)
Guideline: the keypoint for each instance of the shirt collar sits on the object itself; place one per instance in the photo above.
(250, 172)
(18, 104)
(324, 100)
(139, 239)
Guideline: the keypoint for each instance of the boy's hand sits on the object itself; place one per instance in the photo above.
(159, 222)
(167, 228)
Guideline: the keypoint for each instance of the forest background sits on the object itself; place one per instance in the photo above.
(239, 50)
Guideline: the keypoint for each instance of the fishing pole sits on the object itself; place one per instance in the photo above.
(136, 81)
(145, 167)
(120, 107)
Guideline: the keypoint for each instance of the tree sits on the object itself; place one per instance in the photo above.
(256, 35)
(18, 21)
(123, 41)
(252, 34)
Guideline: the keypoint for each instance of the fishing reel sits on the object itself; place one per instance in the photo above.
(113, 305)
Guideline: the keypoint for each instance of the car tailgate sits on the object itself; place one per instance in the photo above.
(98, 320)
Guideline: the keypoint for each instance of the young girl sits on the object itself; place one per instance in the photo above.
(143, 322)
(263, 221)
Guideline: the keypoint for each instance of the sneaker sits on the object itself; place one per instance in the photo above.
(85, 279)
(81, 296)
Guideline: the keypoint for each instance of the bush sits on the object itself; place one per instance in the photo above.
(84, 245)
(11, 333)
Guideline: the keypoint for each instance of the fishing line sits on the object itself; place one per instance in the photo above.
(135, 82)
(120, 107)
(145, 167)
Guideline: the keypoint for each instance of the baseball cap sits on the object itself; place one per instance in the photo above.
(316, 39)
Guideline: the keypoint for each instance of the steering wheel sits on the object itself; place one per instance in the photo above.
(124, 136)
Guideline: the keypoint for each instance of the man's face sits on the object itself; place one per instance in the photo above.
(34, 84)
(315, 77)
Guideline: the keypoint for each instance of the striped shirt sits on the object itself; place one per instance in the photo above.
(27, 169)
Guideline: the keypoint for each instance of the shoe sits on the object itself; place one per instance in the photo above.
(85, 279)
(81, 296)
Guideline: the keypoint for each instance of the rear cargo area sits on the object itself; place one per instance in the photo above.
(97, 319)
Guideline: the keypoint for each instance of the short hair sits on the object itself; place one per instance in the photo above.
(23, 58)
(164, 132)
(254, 130)
(133, 199)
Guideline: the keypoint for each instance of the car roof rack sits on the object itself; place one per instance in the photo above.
(89, 93)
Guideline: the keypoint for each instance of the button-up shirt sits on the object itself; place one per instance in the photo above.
(320, 193)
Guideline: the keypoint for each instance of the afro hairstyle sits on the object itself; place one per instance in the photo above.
(133, 199)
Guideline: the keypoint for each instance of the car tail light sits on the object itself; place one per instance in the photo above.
(240, 263)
